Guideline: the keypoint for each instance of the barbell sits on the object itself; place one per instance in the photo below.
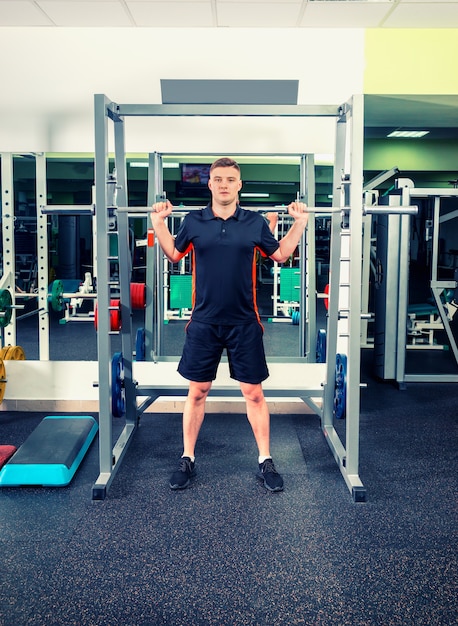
(57, 297)
(283, 208)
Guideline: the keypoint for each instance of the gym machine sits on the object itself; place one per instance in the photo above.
(52, 453)
(397, 323)
(127, 380)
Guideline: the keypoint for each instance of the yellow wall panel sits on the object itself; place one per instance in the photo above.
(408, 155)
(411, 61)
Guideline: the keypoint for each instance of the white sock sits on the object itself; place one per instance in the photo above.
(261, 459)
(193, 458)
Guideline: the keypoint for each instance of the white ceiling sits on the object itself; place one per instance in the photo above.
(231, 13)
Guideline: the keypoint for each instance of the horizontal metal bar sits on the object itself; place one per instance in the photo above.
(77, 295)
(430, 378)
(390, 210)
(177, 210)
(226, 392)
(34, 312)
(24, 294)
(68, 209)
(225, 110)
(432, 192)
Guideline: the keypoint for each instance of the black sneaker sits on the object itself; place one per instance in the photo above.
(182, 477)
(269, 475)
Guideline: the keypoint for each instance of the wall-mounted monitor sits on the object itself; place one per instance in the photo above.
(194, 174)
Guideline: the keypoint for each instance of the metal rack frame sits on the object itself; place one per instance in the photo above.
(344, 320)
(8, 279)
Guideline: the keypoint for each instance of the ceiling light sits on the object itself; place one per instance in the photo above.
(165, 165)
(255, 195)
(408, 134)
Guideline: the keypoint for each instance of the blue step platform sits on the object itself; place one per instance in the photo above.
(52, 453)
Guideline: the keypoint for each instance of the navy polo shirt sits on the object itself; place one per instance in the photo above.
(224, 263)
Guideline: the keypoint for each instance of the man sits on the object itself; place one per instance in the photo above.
(224, 239)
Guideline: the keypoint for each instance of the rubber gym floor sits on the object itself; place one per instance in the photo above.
(226, 552)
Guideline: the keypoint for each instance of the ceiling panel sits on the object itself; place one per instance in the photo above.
(344, 14)
(433, 2)
(255, 15)
(232, 13)
(22, 13)
(82, 13)
(423, 15)
(184, 14)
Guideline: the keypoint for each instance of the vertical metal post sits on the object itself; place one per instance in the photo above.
(403, 258)
(9, 254)
(103, 294)
(307, 319)
(154, 269)
(366, 270)
(151, 287)
(435, 251)
(436, 286)
(161, 266)
(42, 254)
(125, 271)
(334, 274)
(344, 312)
(354, 326)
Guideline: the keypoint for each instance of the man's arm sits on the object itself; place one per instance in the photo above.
(159, 214)
(297, 210)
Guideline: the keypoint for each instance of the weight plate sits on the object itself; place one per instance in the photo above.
(118, 400)
(321, 346)
(6, 302)
(138, 295)
(140, 345)
(12, 353)
(115, 316)
(340, 390)
(2, 380)
(326, 300)
(57, 291)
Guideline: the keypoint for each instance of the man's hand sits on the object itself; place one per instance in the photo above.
(161, 210)
(298, 210)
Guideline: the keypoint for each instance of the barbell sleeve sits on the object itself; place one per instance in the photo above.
(68, 209)
(390, 210)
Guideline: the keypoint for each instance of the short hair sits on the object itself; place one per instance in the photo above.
(225, 162)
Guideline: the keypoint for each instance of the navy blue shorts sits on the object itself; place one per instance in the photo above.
(204, 346)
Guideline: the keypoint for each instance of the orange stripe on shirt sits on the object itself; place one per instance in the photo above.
(253, 282)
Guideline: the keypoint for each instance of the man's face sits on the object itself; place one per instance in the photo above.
(225, 185)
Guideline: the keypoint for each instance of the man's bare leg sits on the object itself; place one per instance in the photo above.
(259, 418)
(193, 415)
